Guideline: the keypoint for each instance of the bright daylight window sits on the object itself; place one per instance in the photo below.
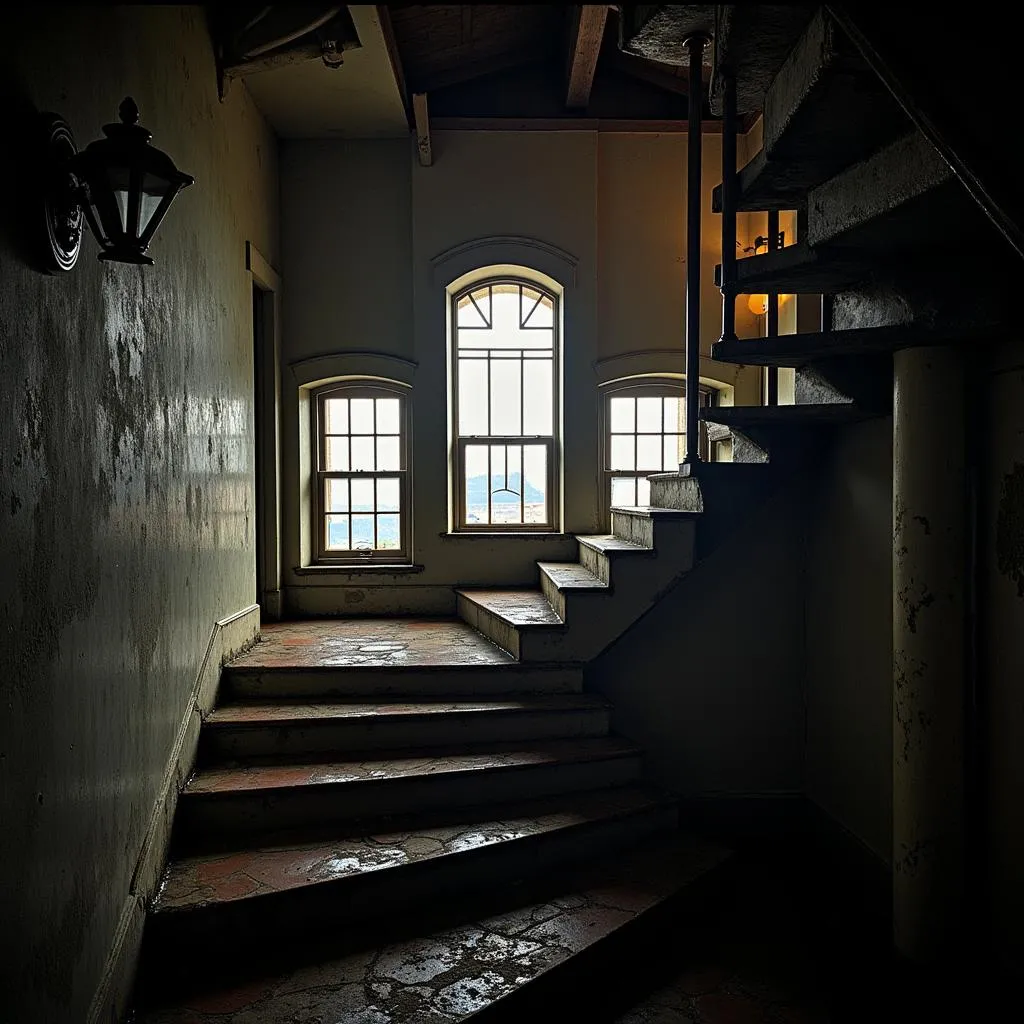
(505, 383)
(362, 496)
(645, 432)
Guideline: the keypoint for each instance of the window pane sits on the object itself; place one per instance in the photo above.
(362, 495)
(362, 533)
(506, 413)
(389, 535)
(389, 492)
(472, 396)
(362, 453)
(673, 446)
(648, 452)
(336, 416)
(475, 483)
(505, 331)
(337, 455)
(537, 310)
(648, 415)
(673, 412)
(537, 400)
(622, 454)
(623, 415)
(388, 415)
(535, 486)
(336, 538)
(474, 309)
(623, 491)
(388, 453)
(506, 483)
(643, 488)
(337, 495)
(362, 415)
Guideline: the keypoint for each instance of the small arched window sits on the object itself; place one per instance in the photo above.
(644, 433)
(361, 504)
(505, 405)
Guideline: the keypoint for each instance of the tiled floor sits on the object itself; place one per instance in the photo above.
(386, 643)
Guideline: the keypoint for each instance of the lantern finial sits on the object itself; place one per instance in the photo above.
(129, 111)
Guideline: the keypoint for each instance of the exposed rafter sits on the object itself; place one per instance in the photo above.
(419, 107)
(586, 45)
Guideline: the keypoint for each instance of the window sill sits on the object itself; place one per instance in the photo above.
(348, 569)
(505, 534)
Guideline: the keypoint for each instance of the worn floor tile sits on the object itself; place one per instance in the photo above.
(369, 643)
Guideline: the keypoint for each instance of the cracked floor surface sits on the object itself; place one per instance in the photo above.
(370, 643)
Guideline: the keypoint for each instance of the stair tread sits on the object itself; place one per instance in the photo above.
(799, 349)
(370, 644)
(457, 971)
(799, 269)
(610, 544)
(274, 773)
(571, 576)
(651, 512)
(274, 712)
(285, 864)
(786, 415)
(520, 608)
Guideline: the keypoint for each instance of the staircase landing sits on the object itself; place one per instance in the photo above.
(371, 643)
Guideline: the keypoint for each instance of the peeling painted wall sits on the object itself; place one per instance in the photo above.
(126, 471)
(710, 681)
(849, 634)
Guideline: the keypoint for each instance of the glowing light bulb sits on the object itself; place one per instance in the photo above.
(757, 304)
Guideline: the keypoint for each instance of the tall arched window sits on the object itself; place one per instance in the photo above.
(505, 384)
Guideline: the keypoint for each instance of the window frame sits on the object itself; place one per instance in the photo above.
(644, 387)
(551, 442)
(376, 556)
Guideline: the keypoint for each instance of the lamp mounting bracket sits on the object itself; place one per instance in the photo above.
(61, 206)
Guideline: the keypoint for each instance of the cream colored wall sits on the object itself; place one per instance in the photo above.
(127, 475)
(371, 239)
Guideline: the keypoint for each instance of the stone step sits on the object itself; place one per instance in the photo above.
(519, 621)
(786, 417)
(599, 551)
(249, 895)
(511, 955)
(327, 681)
(799, 350)
(249, 729)
(824, 111)
(798, 269)
(902, 198)
(668, 530)
(568, 585)
(267, 794)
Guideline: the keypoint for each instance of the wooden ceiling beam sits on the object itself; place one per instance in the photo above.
(419, 107)
(586, 45)
(394, 58)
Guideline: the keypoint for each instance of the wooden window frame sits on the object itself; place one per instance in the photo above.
(550, 442)
(376, 556)
(652, 387)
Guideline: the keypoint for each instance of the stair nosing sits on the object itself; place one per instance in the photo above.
(647, 800)
(622, 750)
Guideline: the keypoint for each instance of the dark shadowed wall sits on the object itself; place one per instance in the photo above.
(126, 471)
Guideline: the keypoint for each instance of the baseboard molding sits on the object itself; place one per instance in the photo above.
(228, 637)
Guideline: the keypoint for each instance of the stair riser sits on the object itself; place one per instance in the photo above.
(297, 684)
(492, 626)
(629, 572)
(596, 562)
(404, 888)
(300, 806)
(374, 734)
(672, 539)
(636, 529)
(582, 602)
(678, 492)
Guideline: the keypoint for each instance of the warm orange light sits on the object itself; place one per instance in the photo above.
(757, 304)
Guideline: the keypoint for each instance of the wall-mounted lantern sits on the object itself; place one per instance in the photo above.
(120, 185)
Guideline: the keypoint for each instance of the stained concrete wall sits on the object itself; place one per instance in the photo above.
(711, 681)
(615, 203)
(849, 634)
(1001, 647)
(127, 481)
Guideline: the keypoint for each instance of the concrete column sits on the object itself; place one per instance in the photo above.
(929, 594)
(1001, 593)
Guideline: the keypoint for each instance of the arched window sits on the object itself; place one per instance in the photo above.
(361, 501)
(644, 433)
(505, 380)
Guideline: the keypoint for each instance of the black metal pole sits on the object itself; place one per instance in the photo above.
(730, 200)
(695, 45)
(772, 327)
